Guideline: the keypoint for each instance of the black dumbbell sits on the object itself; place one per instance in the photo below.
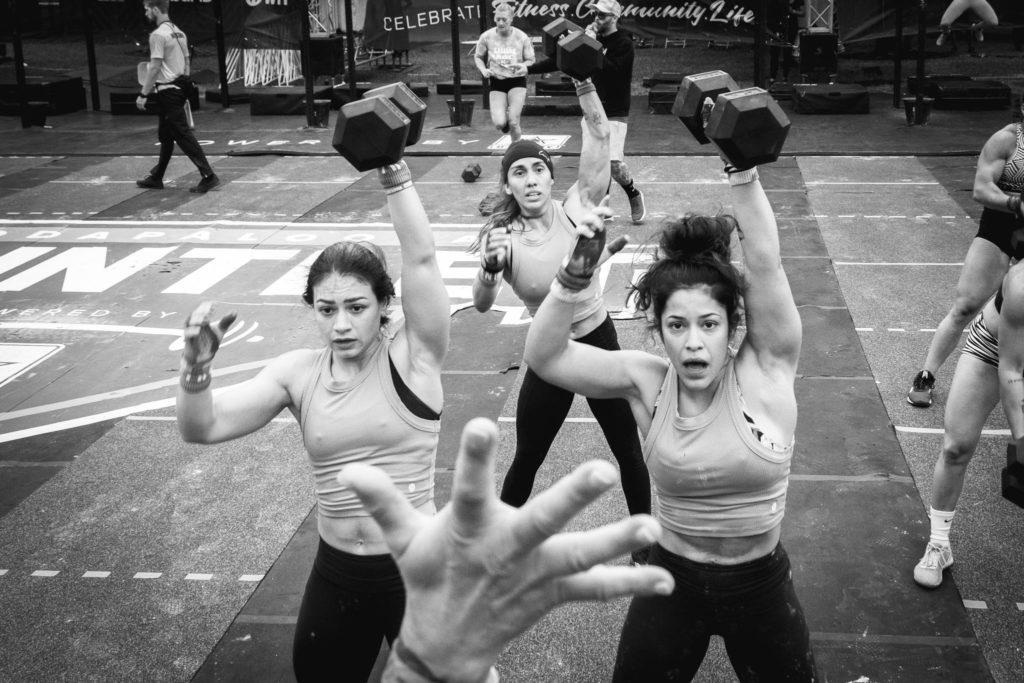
(747, 125)
(577, 54)
(555, 31)
(371, 133)
(471, 173)
(405, 99)
(1013, 473)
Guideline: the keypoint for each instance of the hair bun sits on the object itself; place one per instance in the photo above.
(696, 237)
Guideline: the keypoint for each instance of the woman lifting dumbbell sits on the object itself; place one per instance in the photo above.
(998, 182)
(990, 370)
(524, 241)
(718, 431)
(502, 56)
(372, 393)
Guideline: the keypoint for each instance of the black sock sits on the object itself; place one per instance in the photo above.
(630, 190)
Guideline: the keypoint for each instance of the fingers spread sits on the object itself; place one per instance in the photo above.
(577, 552)
(473, 485)
(397, 518)
(549, 511)
(606, 583)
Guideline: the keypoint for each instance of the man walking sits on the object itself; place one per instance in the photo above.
(167, 78)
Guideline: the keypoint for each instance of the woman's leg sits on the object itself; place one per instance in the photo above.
(664, 638)
(540, 412)
(516, 100)
(983, 271)
(499, 109)
(340, 629)
(768, 638)
(972, 396)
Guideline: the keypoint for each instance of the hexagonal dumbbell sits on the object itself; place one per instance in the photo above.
(555, 31)
(748, 126)
(371, 133)
(471, 172)
(1013, 473)
(690, 99)
(405, 99)
(579, 55)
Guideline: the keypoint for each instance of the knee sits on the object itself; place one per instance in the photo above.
(620, 172)
(964, 309)
(956, 453)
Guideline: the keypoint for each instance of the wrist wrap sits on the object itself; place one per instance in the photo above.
(566, 294)
(395, 177)
(195, 378)
(584, 88)
(1013, 204)
(737, 177)
(488, 277)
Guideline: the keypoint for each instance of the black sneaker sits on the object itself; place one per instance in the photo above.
(920, 394)
(206, 184)
(150, 183)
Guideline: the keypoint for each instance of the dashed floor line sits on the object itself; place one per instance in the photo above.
(106, 574)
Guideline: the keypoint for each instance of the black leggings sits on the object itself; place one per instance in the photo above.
(540, 412)
(351, 602)
(752, 605)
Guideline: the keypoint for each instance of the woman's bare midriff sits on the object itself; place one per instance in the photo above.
(723, 551)
(359, 535)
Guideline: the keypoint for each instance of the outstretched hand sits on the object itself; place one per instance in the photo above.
(202, 339)
(480, 572)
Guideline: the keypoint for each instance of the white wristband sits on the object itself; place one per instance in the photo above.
(743, 177)
(563, 293)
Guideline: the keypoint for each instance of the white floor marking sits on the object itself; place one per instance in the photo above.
(933, 430)
(251, 577)
(120, 393)
(147, 575)
(975, 604)
(86, 420)
(198, 577)
(893, 263)
(45, 573)
(95, 575)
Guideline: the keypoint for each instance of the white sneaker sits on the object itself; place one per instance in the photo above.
(928, 572)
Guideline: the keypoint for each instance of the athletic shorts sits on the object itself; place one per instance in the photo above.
(506, 84)
(980, 343)
(1004, 230)
(618, 142)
